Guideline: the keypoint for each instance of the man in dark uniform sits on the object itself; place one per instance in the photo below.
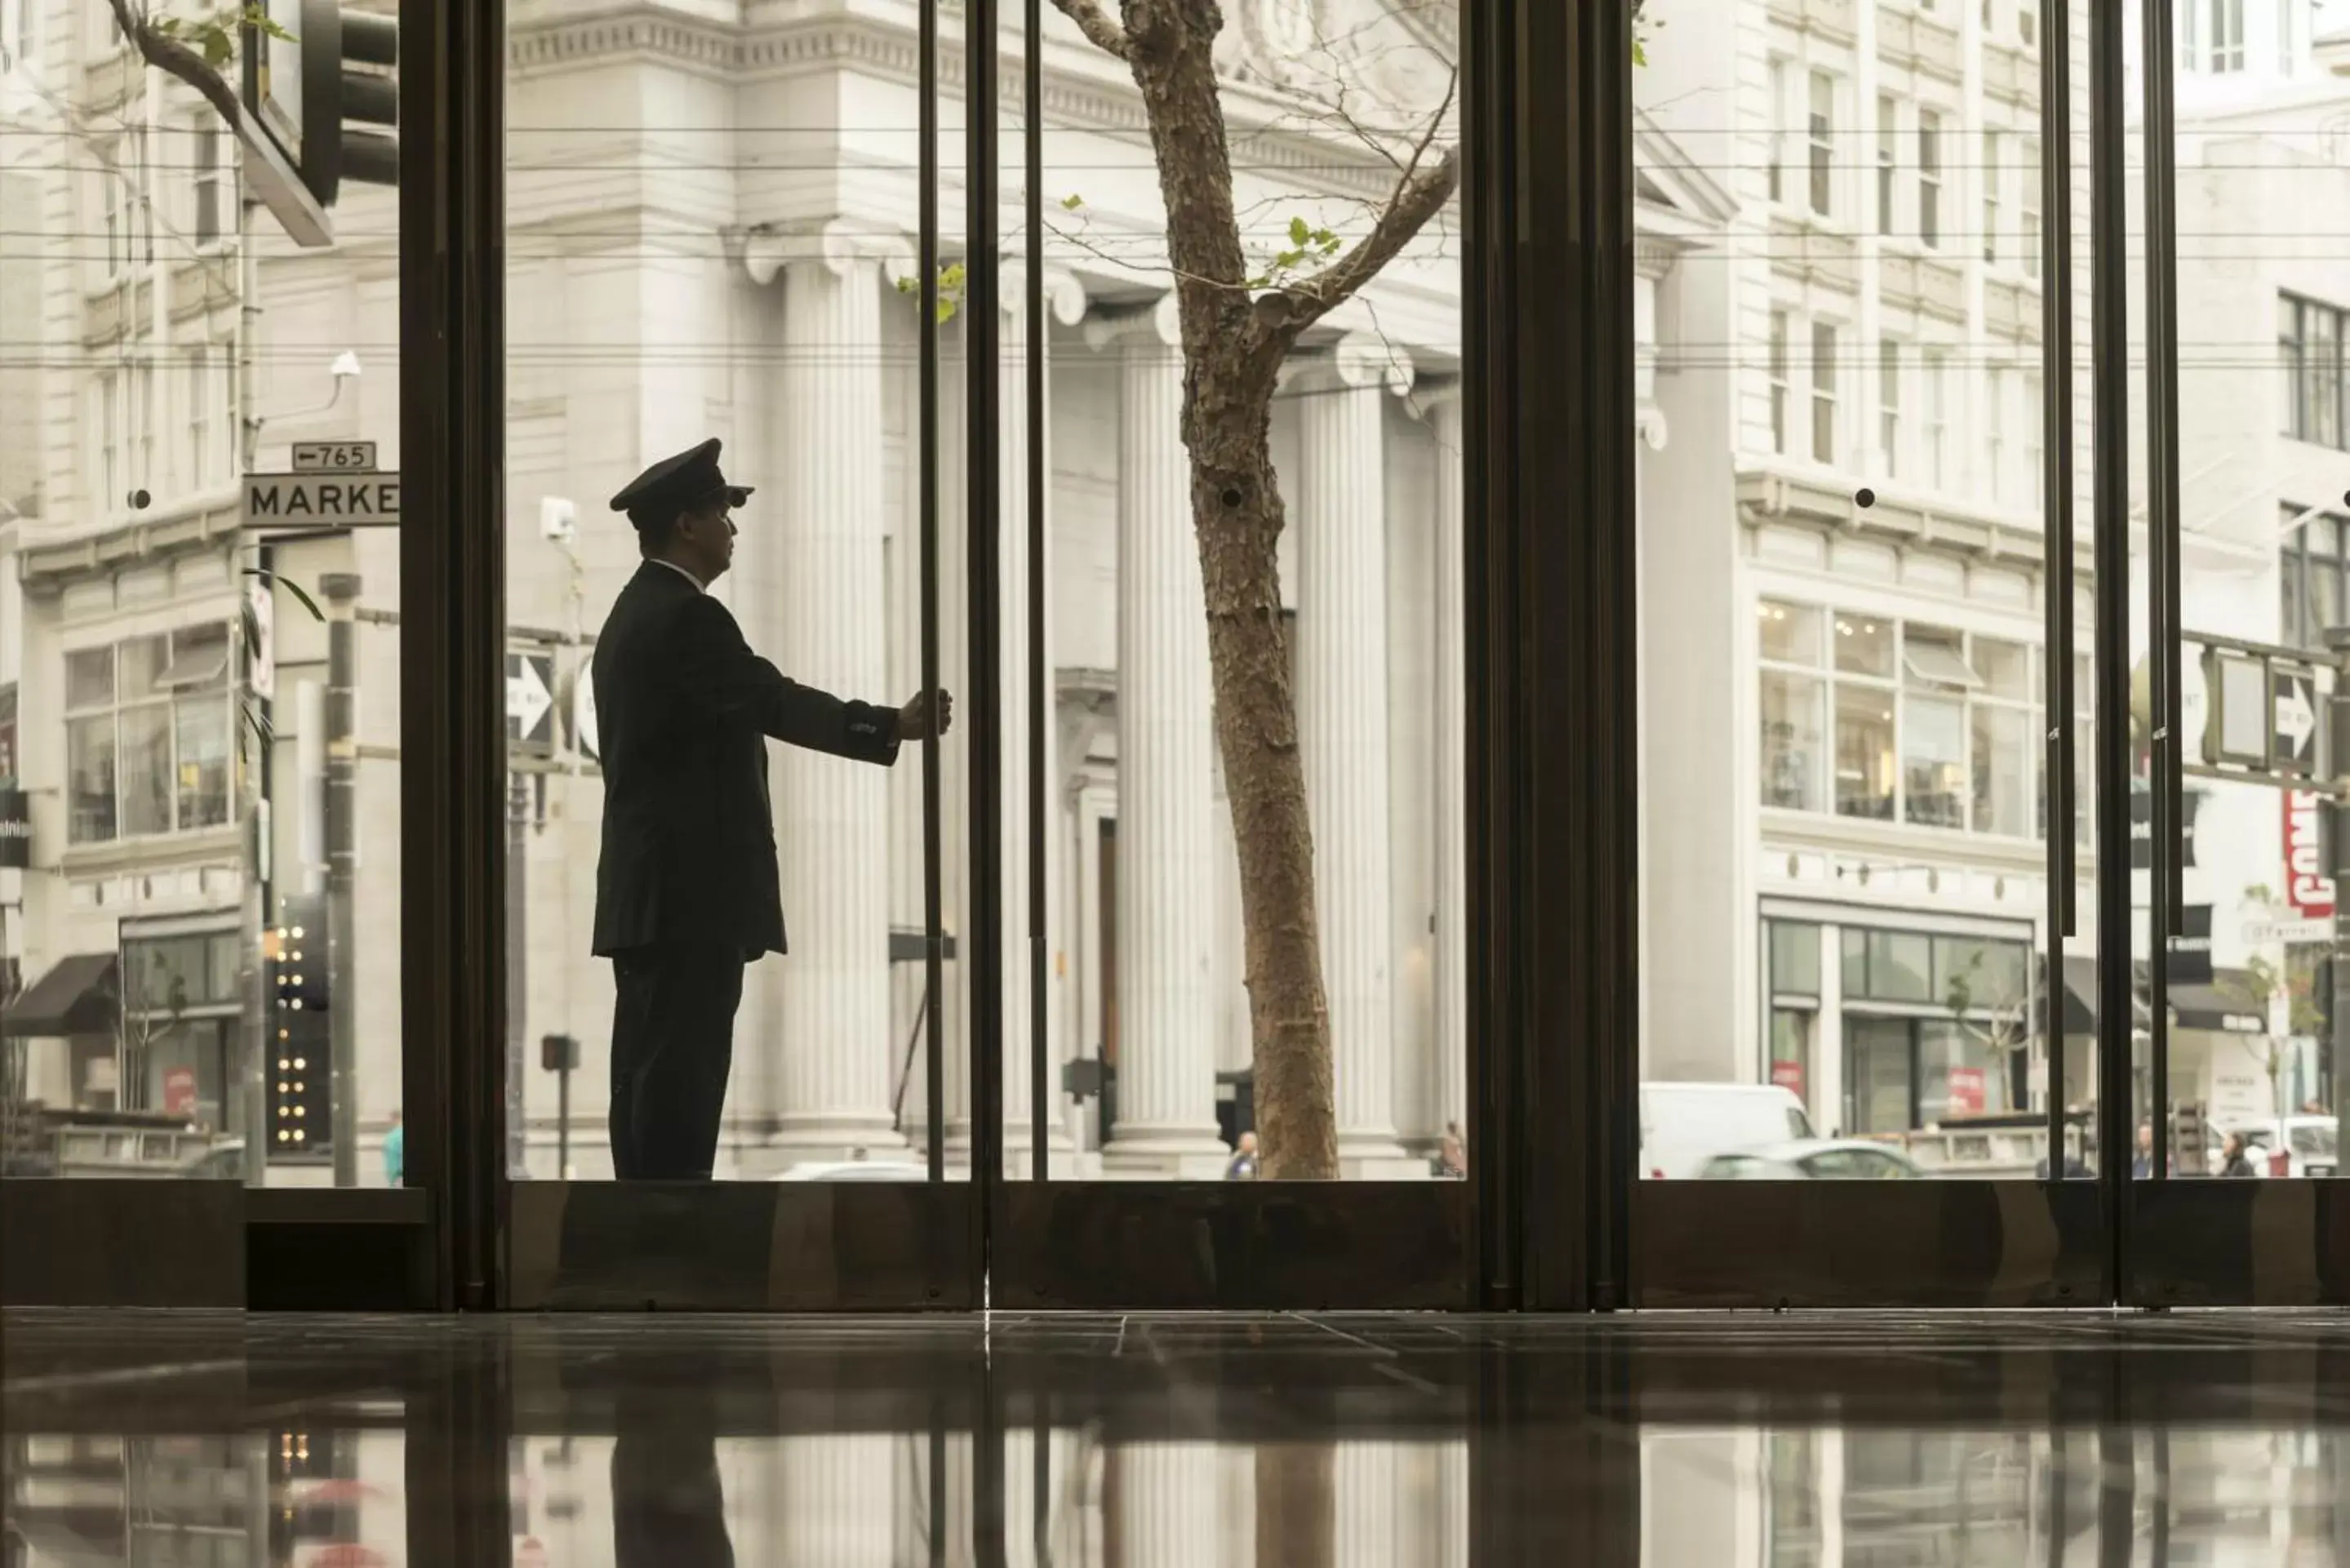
(686, 888)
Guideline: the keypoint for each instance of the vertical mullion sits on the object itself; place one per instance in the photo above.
(982, 330)
(452, 597)
(1040, 710)
(2056, 530)
(2166, 875)
(2109, 371)
(933, 922)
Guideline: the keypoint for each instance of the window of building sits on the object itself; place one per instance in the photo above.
(1993, 148)
(1934, 1027)
(2000, 737)
(210, 183)
(201, 418)
(1929, 178)
(107, 394)
(1779, 382)
(2027, 23)
(1794, 949)
(145, 476)
(2311, 337)
(2028, 206)
(1793, 707)
(20, 32)
(2311, 575)
(1821, 139)
(114, 205)
(1824, 391)
(1924, 724)
(1888, 161)
(1782, 116)
(149, 736)
(2289, 360)
(1995, 433)
(1935, 681)
(2035, 439)
(1888, 405)
(2323, 374)
(2224, 37)
(1934, 372)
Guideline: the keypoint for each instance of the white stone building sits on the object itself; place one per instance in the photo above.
(1842, 693)
(710, 225)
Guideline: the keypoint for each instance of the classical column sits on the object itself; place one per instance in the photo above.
(831, 815)
(1449, 757)
(1064, 301)
(1166, 880)
(1342, 702)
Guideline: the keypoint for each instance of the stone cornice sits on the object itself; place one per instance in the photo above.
(1094, 99)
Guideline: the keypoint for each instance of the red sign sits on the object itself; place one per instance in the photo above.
(1788, 1075)
(2307, 887)
(1966, 1092)
(179, 1092)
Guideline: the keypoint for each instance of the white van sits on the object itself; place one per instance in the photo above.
(1683, 1126)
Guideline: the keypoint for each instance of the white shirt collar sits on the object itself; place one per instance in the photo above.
(680, 571)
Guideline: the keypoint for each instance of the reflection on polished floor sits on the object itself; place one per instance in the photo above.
(1781, 1441)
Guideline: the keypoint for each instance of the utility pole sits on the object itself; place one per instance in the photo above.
(341, 592)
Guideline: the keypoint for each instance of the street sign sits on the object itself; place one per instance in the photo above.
(261, 657)
(2308, 882)
(530, 701)
(2293, 695)
(322, 500)
(334, 457)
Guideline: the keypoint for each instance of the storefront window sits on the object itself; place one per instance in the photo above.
(1794, 741)
(1900, 967)
(1932, 725)
(1794, 959)
(1864, 752)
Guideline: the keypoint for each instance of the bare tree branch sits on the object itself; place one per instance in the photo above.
(1419, 194)
(1093, 22)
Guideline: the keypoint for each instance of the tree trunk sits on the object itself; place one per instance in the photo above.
(1229, 367)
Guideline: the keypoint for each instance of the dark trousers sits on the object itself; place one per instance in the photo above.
(672, 1044)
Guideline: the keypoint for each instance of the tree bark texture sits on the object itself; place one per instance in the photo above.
(1229, 368)
(1234, 341)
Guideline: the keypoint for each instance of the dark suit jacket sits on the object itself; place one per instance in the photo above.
(683, 709)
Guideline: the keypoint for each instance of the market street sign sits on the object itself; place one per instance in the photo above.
(322, 500)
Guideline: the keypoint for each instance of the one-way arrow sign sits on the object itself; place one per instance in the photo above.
(530, 699)
(2295, 746)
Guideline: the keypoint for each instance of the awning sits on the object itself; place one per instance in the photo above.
(2218, 1006)
(76, 997)
(2221, 1007)
(2081, 996)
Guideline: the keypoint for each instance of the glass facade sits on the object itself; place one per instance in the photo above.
(1360, 733)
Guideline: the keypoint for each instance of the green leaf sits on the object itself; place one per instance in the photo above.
(1071, 202)
(946, 311)
(217, 49)
(1298, 231)
(301, 595)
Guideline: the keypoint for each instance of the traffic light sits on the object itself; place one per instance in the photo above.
(364, 142)
(322, 82)
(301, 1039)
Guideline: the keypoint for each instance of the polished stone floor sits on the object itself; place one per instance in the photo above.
(1784, 1442)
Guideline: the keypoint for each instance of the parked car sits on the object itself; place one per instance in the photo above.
(1815, 1159)
(1682, 1126)
(856, 1170)
(2304, 1144)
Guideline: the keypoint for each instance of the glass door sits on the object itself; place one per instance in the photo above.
(1877, 654)
(2237, 623)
